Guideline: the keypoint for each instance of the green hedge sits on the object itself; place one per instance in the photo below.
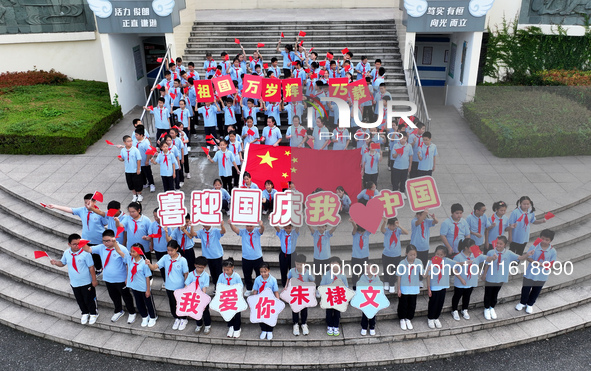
(55, 119)
(529, 122)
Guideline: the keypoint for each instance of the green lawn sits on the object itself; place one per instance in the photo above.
(55, 119)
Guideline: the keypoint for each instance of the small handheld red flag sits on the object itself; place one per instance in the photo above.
(120, 157)
(549, 215)
(476, 251)
(282, 35)
(159, 60)
(119, 231)
(302, 43)
(227, 57)
(250, 58)
(112, 212)
(209, 136)
(83, 243)
(322, 63)
(329, 56)
(205, 150)
(265, 65)
(210, 142)
(345, 51)
(302, 34)
(151, 108)
(109, 142)
(375, 146)
(154, 235)
(97, 196)
(42, 204)
(436, 260)
(537, 241)
(310, 51)
(40, 254)
(314, 76)
(260, 45)
(347, 67)
(294, 63)
(250, 132)
(307, 70)
(237, 41)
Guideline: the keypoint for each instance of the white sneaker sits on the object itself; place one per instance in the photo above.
(336, 331)
(363, 332)
(116, 316)
(183, 324)
(296, 330)
(329, 331)
(519, 306)
(528, 309)
(181, 184)
(146, 185)
(145, 321)
(230, 332)
(403, 324)
(263, 335)
(305, 330)
(140, 198)
(265, 212)
(455, 315)
(269, 336)
(465, 314)
(84, 319)
(409, 324)
(437, 323)
(386, 286)
(198, 329)
(317, 294)
(152, 188)
(236, 334)
(392, 289)
(152, 322)
(487, 314)
(431, 323)
(372, 332)
(134, 198)
(131, 318)
(493, 314)
(403, 195)
(188, 149)
(92, 319)
(207, 330)
(247, 293)
(188, 176)
(176, 324)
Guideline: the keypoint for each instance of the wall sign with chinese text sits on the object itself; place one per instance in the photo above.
(445, 15)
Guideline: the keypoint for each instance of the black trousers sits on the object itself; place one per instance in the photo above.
(159, 255)
(407, 304)
(235, 176)
(414, 167)
(187, 133)
(284, 266)
(96, 259)
(145, 306)
(370, 177)
(436, 304)
(423, 256)
(491, 293)
(86, 298)
(333, 318)
(530, 291)
(265, 327)
(117, 291)
(159, 132)
(189, 254)
(215, 268)
(234, 322)
(359, 262)
(206, 319)
(227, 182)
(398, 178)
(320, 265)
(147, 174)
(295, 317)
(168, 183)
(424, 173)
(186, 164)
(135, 181)
(172, 304)
(268, 205)
(368, 322)
(179, 178)
(220, 123)
(517, 248)
(248, 266)
(463, 294)
(390, 273)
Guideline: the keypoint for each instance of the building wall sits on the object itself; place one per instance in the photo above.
(461, 91)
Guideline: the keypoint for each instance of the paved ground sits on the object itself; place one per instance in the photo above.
(21, 351)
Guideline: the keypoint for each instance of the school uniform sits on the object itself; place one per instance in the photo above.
(409, 288)
(321, 252)
(225, 160)
(462, 291)
(273, 111)
(259, 285)
(175, 95)
(250, 138)
(534, 279)
(235, 148)
(341, 136)
(146, 169)
(366, 281)
(167, 163)
(419, 237)
(345, 203)
(269, 199)
(520, 234)
(272, 135)
(175, 278)
(202, 282)
(79, 264)
(137, 272)
(477, 225)
(333, 316)
(499, 229)
(233, 279)
(497, 274)
(454, 232)
(209, 119)
(294, 109)
(186, 243)
(360, 252)
(400, 165)
(305, 276)
(297, 135)
(370, 169)
(114, 275)
(252, 254)
(209, 67)
(425, 166)
(362, 69)
(254, 62)
(288, 245)
(229, 117)
(161, 120)
(438, 283)
(365, 195)
(130, 158)
(288, 58)
(110, 223)
(135, 230)
(159, 243)
(212, 249)
(236, 75)
(416, 140)
(92, 230)
(252, 112)
(391, 255)
(321, 136)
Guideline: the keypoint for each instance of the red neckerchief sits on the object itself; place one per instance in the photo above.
(74, 259)
(108, 257)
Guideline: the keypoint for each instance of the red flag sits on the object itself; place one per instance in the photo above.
(302, 43)
(237, 41)
(294, 63)
(302, 34)
(211, 142)
(260, 45)
(250, 58)
(97, 196)
(310, 51)
(112, 212)
(40, 254)
(205, 150)
(549, 215)
(250, 132)
(151, 108)
(375, 146)
(476, 251)
(159, 60)
(42, 204)
(209, 136)
(292, 89)
(227, 57)
(109, 142)
(271, 90)
(347, 67)
(314, 76)
(345, 51)
(265, 162)
(537, 241)
(151, 151)
(322, 63)
(120, 157)
(119, 231)
(282, 35)
(83, 243)
(358, 91)
(252, 86)
(224, 85)
(329, 56)
(265, 65)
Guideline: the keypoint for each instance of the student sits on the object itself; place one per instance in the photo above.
(186, 148)
(273, 110)
(454, 229)
(262, 282)
(437, 273)
(288, 58)
(400, 155)
(369, 165)
(252, 253)
(320, 136)
(498, 224)
(183, 115)
(109, 221)
(271, 134)
(212, 249)
(288, 238)
(293, 109)
(296, 134)
(132, 158)
(368, 193)
(226, 199)
(374, 72)
(408, 286)
(136, 227)
(392, 253)
(333, 316)
(342, 138)
(93, 224)
(209, 113)
(421, 233)
(274, 69)
(229, 113)
(345, 200)
(82, 278)
(184, 235)
(467, 280)
(368, 278)
(167, 162)
(478, 223)
(176, 146)
(321, 251)
(201, 277)
(303, 275)
(143, 144)
(226, 161)
(249, 110)
(520, 220)
(268, 197)
(177, 271)
(250, 133)
(541, 258)
(161, 117)
(496, 273)
(427, 156)
(360, 249)
(416, 140)
(363, 68)
(114, 274)
(247, 180)
(209, 65)
(158, 237)
(235, 147)
(229, 277)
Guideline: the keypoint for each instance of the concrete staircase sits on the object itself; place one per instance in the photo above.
(35, 297)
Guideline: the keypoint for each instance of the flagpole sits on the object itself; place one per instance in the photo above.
(243, 168)
(164, 59)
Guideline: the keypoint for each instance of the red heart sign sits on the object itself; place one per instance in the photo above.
(368, 216)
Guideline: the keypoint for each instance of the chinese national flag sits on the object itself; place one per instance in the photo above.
(337, 87)
(358, 91)
(307, 168)
(271, 90)
(292, 89)
(204, 91)
(252, 86)
(224, 85)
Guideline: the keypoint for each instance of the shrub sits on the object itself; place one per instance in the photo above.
(13, 79)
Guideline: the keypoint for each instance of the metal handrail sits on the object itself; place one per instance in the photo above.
(416, 90)
(164, 60)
